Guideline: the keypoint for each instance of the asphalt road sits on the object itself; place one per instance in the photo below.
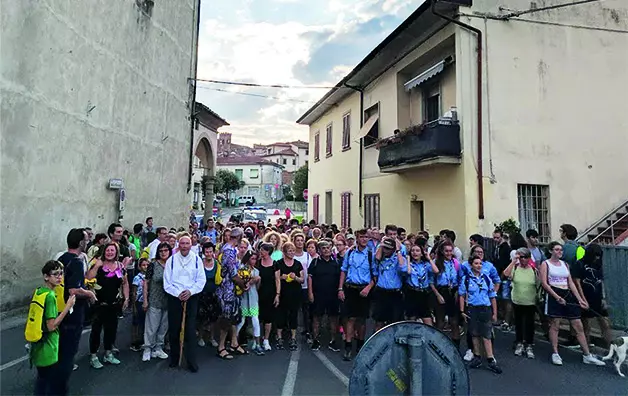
(294, 373)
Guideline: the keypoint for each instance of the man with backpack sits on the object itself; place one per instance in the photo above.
(74, 285)
(354, 289)
(42, 329)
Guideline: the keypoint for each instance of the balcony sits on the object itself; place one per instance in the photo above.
(420, 146)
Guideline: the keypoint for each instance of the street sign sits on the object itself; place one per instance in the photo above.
(116, 184)
(122, 200)
(305, 194)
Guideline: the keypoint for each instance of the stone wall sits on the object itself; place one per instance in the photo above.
(91, 90)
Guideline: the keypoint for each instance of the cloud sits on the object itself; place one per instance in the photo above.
(288, 42)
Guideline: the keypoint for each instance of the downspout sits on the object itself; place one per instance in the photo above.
(192, 102)
(361, 154)
(480, 171)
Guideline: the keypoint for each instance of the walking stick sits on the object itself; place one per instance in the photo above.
(182, 333)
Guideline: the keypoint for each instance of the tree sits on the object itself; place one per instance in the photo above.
(300, 182)
(226, 182)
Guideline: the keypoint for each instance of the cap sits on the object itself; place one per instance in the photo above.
(388, 243)
(350, 236)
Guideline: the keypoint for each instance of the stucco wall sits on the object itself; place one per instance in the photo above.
(90, 91)
(268, 177)
(338, 173)
(554, 111)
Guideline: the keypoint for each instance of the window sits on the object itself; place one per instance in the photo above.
(345, 210)
(315, 206)
(270, 151)
(317, 146)
(254, 173)
(294, 161)
(284, 161)
(307, 152)
(534, 209)
(431, 103)
(346, 131)
(373, 135)
(329, 136)
(196, 123)
(238, 173)
(371, 210)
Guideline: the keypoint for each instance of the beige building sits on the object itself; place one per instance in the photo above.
(463, 123)
(262, 178)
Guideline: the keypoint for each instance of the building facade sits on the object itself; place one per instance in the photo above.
(262, 178)
(90, 91)
(445, 129)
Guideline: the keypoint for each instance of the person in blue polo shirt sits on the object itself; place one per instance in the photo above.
(489, 270)
(477, 292)
(354, 289)
(419, 276)
(387, 271)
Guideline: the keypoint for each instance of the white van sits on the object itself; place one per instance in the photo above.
(246, 200)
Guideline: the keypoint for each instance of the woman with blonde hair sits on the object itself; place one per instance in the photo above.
(275, 239)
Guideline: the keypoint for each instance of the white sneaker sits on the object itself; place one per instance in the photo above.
(159, 354)
(267, 345)
(111, 359)
(519, 350)
(591, 359)
(468, 356)
(146, 355)
(214, 343)
(557, 360)
(201, 342)
(95, 362)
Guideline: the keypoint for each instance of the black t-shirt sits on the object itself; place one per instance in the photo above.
(109, 286)
(325, 276)
(502, 257)
(290, 288)
(591, 278)
(267, 287)
(124, 251)
(73, 278)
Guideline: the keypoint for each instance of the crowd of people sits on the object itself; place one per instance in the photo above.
(245, 288)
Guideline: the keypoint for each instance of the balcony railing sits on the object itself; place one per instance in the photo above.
(419, 146)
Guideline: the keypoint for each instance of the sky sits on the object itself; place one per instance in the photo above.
(288, 42)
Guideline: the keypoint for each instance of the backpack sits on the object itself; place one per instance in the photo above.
(218, 263)
(369, 255)
(59, 291)
(485, 278)
(35, 322)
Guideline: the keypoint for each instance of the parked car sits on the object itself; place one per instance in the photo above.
(246, 200)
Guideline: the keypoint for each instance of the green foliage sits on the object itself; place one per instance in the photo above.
(300, 182)
(226, 182)
(509, 226)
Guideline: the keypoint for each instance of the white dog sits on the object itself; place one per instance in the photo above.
(618, 347)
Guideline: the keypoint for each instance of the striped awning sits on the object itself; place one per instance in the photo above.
(426, 75)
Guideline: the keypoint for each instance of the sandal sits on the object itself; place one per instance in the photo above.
(226, 356)
(238, 350)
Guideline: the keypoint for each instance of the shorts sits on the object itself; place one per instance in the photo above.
(417, 303)
(356, 306)
(555, 310)
(505, 290)
(388, 305)
(480, 323)
(451, 307)
(328, 305)
(139, 316)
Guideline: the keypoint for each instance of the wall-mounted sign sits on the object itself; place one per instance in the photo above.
(116, 184)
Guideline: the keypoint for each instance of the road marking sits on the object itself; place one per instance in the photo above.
(291, 375)
(331, 367)
(26, 357)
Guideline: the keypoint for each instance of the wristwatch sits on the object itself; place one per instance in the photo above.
(341, 289)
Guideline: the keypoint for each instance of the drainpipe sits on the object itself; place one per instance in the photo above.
(480, 171)
(361, 154)
(193, 98)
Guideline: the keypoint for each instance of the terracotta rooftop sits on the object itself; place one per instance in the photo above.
(249, 160)
(287, 151)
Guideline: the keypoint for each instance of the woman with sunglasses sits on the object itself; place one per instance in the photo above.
(563, 301)
(110, 276)
(524, 278)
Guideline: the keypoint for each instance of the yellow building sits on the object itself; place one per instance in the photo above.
(415, 137)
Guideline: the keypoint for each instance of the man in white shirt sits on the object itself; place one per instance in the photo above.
(162, 236)
(184, 279)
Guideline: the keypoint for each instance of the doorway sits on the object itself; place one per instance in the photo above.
(417, 216)
(328, 208)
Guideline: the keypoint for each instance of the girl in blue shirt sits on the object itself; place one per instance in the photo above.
(418, 279)
(445, 290)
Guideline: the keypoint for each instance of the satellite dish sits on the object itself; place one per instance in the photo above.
(409, 358)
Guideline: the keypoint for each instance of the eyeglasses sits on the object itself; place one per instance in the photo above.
(56, 273)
